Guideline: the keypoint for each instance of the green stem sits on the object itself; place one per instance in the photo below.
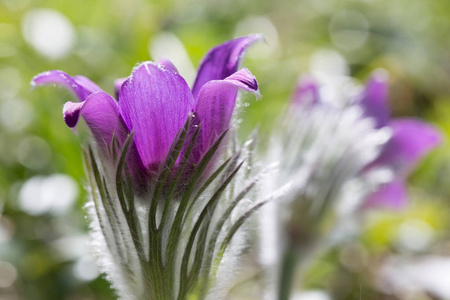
(287, 274)
(157, 285)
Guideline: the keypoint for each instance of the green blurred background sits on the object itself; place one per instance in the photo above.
(43, 231)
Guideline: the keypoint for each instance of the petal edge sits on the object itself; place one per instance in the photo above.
(222, 61)
(411, 140)
(216, 101)
(78, 87)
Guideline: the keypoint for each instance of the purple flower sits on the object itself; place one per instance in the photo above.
(306, 92)
(411, 138)
(154, 102)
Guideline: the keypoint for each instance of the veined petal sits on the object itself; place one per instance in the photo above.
(411, 140)
(307, 92)
(101, 114)
(216, 102)
(79, 85)
(155, 103)
(120, 81)
(392, 195)
(375, 100)
(222, 61)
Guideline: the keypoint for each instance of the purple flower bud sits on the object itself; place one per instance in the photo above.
(154, 103)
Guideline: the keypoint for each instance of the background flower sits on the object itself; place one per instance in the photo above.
(337, 155)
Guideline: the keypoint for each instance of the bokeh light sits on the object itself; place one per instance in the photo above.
(49, 32)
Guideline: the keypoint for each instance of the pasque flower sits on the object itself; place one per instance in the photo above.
(163, 214)
(341, 152)
(154, 103)
(411, 139)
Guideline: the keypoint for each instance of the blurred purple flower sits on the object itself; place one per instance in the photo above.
(155, 101)
(411, 138)
(306, 92)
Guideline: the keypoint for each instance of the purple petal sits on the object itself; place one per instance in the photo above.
(119, 82)
(243, 79)
(118, 85)
(391, 195)
(168, 64)
(77, 85)
(222, 61)
(375, 98)
(155, 103)
(71, 113)
(216, 102)
(87, 84)
(411, 140)
(101, 114)
(307, 92)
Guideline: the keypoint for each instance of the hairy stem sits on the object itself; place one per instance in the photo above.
(287, 274)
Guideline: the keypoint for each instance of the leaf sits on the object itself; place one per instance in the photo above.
(178, 177)
(235, 228)
(131, 220)
(218, 228)
(177, 227)
(205, 216)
